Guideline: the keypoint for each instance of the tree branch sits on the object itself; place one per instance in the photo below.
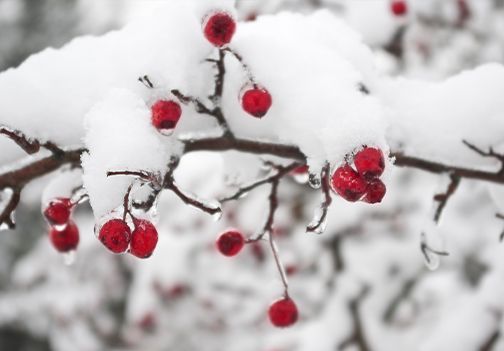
(444, 197)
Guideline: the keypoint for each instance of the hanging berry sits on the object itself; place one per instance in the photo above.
(349, 184)
(256, 101)
(65, 240)
(375, 192)
(230, 243)
(369, 162)
(399, 7)
(219, 28)
(58, 211)
(143, 239)
(165, 115)
(283, 312)
(115, 234)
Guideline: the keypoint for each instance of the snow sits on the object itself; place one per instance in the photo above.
(88, 94)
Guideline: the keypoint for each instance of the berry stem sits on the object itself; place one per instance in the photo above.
(245, 67)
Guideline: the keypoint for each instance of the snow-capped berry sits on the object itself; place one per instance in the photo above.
(143, 239)
(347, 183)
(256, 101)
(375, 191)
(283, 313)
(66, 239)
(166, 114)
(230, 243)
(219, 28)
(115, 234)
(399, 7)
(58, 211)
(369, 162)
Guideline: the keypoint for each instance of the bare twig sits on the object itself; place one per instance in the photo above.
(444, 197)
(317, 224)
(426, 249)
(357, 338)
(403, 294)
(191, 200)
(198, 105)
(490, 153)
(145, 80)
(6, 216)
(281, 171)
(30, 145)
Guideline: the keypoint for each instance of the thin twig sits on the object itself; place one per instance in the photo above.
(490, 153)
(444, 197)
(357, 338)
(317, 224)
(281, 171)
(6, 216)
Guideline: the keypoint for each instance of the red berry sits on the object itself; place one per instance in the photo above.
(375, 192)
(369, 162)
(283, 313)
(256, 101)
(300, 170)
(65, 240)
(230, 243)
(143, 239)
(115, 234)
(166, 114)
(58, 211)
(399, 7)
(349, 184)
(219, 28)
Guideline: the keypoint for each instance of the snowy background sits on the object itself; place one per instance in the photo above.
(435, 77)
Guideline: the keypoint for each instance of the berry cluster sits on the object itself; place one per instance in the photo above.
(63, 232)
(116, 235)
(283, 312)
(218, 28)
(364, 183)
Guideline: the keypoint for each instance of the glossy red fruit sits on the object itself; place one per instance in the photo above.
(65, 240)
(369, 162)
(399, 7)
(375, 191)
(230, 243)
(256, 102)
(219, 28)
(143, 239)
(283, 313)
(115, 234)
(58, 211)
(347, 183)
(166, 114)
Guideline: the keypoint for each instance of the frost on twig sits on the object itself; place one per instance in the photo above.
(318, 224)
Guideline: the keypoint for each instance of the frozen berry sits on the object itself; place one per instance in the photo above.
(143, 239)
(65, 240)
(283, 313)
(349, 184)
(256, 101)
(375, 191)
(58, 211)
(219, 28)
(230, 243)
(399, 7)
(166, 114)
(115, 235)
(369, 162)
